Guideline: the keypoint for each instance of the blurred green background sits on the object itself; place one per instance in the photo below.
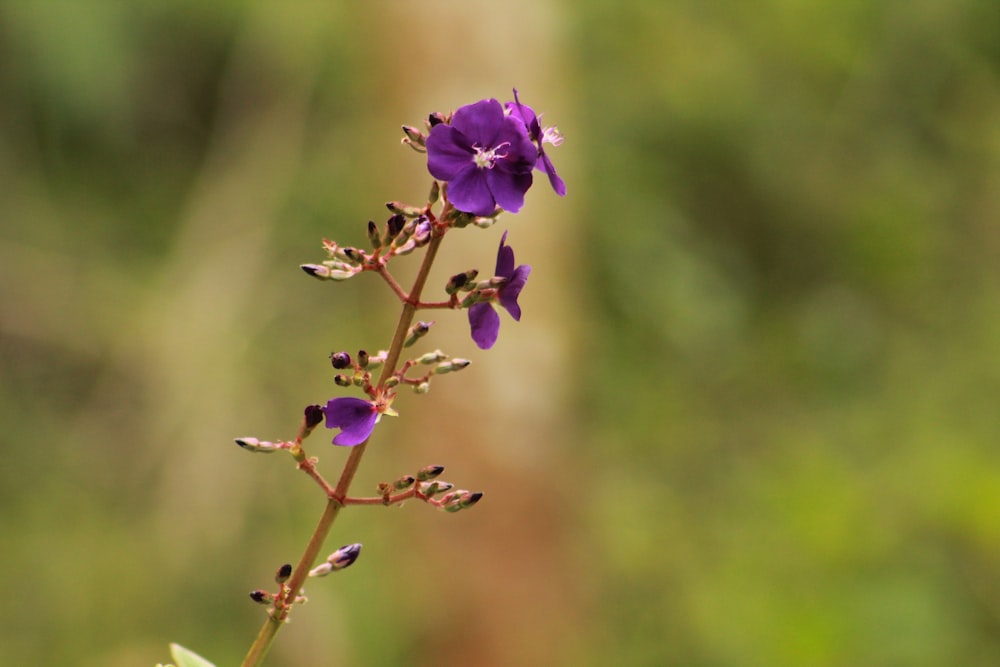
(748, 418)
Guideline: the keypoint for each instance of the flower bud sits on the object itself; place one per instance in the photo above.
(416, 332)
(321, 272)
(261, 597)
(394, 225)
(362, 359)
(391, 382)
(430, 489)
(404, 482)
(431, 357)
(436, 118)
(342, 380)
(460, 281)
(340, 360)
(452, 502)
(414, 139)
(338, 560)
(434, 194)
(452, 365)
(408, 211)
(283, 573)
(374, 235)
(257, 446)
(313, 415)
(429, 472)
(422, 388)
(353, 255)
(470, 498)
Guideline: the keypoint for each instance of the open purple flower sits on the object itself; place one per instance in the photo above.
(355, 417)
(540, 136)
(485, 156)
(483, 319)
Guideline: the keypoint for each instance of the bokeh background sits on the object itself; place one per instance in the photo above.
(749, 416)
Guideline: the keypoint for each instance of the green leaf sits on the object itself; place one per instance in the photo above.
(187, 658)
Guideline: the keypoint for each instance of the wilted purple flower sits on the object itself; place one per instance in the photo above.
(484, 320)
(540, 136)
(485, 156)
(355, 417)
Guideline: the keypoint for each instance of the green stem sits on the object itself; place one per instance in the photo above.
(283, 604)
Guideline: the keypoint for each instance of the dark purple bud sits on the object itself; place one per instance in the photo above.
(429, 472)
(313, 415)
(283, 573)
(373, 235)
(394, 225)
(340, 360)
(260, 597)
(460, 281)
(435, 119)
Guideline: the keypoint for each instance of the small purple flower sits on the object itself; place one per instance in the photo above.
(485, 155)
(483, 319)
(355, 417)
(540, 136)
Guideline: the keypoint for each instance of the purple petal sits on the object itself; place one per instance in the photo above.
(510, 291)
(469, 192)
(521, 153)
(479, 122)
(508, 189)
(545, 164)
(505, 259)
(448, 152)
(354, 416)
(485, 325)
(527, 116)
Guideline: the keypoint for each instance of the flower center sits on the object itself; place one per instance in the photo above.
(485, 158)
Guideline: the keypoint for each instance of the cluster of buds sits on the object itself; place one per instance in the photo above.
(406, 230)
(360, 368)
(344, 263)
(281, 578)
(439, 362)
(415, 138)
(426, 486)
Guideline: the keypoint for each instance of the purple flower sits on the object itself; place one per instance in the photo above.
(355, 417)
(485, 156)
(540, 136)
(484, 320)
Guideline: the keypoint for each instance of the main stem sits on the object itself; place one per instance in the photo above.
(277, 618)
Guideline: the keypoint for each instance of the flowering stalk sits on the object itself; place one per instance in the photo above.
(276, 619)
(482, 157)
